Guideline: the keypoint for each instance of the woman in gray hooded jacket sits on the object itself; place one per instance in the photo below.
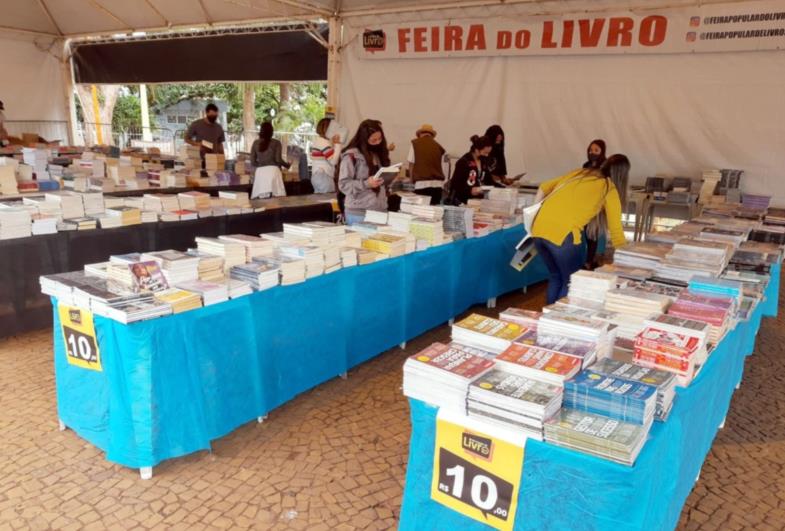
(362, 158)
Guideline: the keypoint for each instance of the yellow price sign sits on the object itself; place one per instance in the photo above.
(476, 474)
(81, 345)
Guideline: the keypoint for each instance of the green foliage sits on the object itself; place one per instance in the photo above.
(127, 113)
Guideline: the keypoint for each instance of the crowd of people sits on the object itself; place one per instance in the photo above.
(583, 204)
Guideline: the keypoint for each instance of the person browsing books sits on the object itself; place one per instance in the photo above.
(425, 164)
(470, 172)
(206, 133)
(569, 203)
(325, 154)
(266, 150)
(365, 154)
(595, 157)
(496, 161)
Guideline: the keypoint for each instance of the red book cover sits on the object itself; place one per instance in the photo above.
(705, 300)
(540, 359)
(667, 342)
(456, 361)
(660, 360)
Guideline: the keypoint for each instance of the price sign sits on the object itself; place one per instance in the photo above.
(81, 346)
(476, 474)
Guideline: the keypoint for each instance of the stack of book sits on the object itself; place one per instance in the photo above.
(193, 201)
(664, 381)
(459, 219)
(15, 222)
(292, 269)
(43, 224)
(591, 285)
(214, 162)
(729, 235)
(123, 215)
(643, 255)
(410, 241)
(160, 202)
(8, 185)
(385, 244)
(610, 396)
(486, 333)
(718, 287)
(313, 257)
(84, 223)
(211, 292)
(70, 203)
(430, 231)
(440, 375)
(93, 203)
(526, 318)
(211, 267)
(715, 311)
(238, 288)
(659, 348)
(254, 245)
(316, 233)
(399, 221)
(627, 325)
(633, 301)
(259, 275)
(690, 257)
(235, 199)
(137, 309)
(146, 276)
(179, 299)
(513, 401)
(232, 253)
(597, 435)
(375, 216)
(37, 158)
(539, 363)
(571, 326)
(177, 266)
(349, 256)
(431, 213)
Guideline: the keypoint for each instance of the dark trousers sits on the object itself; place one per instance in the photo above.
(561, 261)
(591, 250)
(434, 193)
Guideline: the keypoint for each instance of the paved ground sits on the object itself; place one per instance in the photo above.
(334, 458)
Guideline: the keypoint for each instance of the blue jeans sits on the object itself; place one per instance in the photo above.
(353, 219)
(562, 261)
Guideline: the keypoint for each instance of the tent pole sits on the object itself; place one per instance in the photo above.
(68, 87)
(334, 64)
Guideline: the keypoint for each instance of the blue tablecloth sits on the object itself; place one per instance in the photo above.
(171, 385)
(564, 489)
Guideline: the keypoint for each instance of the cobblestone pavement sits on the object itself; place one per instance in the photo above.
(334, 458)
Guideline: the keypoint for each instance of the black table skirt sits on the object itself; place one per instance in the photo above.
(23, 260)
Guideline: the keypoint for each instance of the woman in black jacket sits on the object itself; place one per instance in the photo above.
(497, 162)
(471, 172)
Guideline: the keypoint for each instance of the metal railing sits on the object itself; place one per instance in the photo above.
(49, 130)
(134, 137)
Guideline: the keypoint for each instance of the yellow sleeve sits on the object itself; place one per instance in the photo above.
(548, 186)
(613, 215)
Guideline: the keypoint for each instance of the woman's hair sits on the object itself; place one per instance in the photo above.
(360, 142)
(265, 135)
(480, 142)
(601, 143)
(321, 127)
(617, 169)
(494, 131)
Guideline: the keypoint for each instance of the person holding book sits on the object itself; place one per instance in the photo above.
(206, 133)
(595, 157)
(471, 172)
(425, 164)
(365, 154)
(325, 154)
(569, 202)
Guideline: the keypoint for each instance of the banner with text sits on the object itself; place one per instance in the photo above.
(741, 26)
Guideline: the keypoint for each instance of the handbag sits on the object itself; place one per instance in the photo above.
(531, 211)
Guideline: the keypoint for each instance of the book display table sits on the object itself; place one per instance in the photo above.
(169, 386)
(23, 260)
(565, 489)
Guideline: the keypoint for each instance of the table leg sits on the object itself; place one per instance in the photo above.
(261, 419)
(491, 302)
(344, 375)
(722, 424)
(146, 472)
(451, 322)
(61, 425)
(403, 345)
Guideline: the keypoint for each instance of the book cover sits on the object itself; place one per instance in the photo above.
(540, 359)
(456, 361)
(147, 276)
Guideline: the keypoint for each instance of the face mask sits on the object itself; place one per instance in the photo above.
(375, 148)
(212, 119)
(593, 157)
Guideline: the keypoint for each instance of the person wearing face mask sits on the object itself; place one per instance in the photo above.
(595, 158)
(497, 161)
(364, 155)
(206, 133)
(471, 172)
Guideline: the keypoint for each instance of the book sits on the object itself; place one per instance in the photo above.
(486, 333)
(147, 276)
(539, 363)
(610, 396)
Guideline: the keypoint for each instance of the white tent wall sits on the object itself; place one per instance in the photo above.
(32, 86)
(672, 114)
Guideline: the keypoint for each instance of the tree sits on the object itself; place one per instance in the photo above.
(107, 97)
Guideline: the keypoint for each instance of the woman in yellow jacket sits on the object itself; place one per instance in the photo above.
(572, 201)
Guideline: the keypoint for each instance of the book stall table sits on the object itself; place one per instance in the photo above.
(23, 260)
(168, 386)
(564, 489)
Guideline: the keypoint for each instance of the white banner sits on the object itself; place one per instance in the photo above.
(742, 26)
